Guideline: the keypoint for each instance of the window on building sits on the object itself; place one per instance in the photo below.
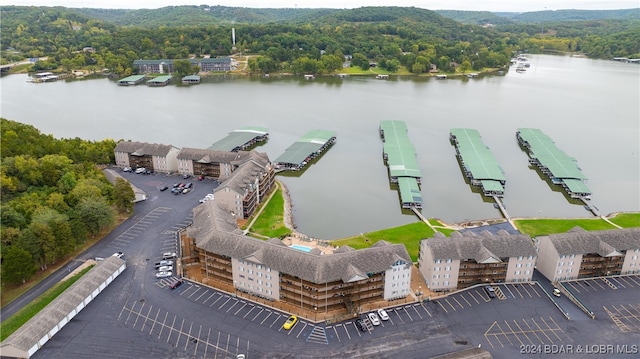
(518, 265)
(447, 268)
(437, 261)
(437, 269)
(449, 260)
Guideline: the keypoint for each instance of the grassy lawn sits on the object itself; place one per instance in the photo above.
(12, 324)
(627, 220)
(271, 221)
(409, 235)
(541, 227)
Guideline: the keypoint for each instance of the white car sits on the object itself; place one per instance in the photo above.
(127, 169)
(383, 314)
(163, 274)
(373, 318)
(118, 254)
(140, 170)
(168, 255)
(165, 269)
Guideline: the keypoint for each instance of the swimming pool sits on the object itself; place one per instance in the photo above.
(301, 248)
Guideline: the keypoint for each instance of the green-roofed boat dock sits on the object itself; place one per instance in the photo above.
(399, 155)
(241, 139)
(478, 162)
(560, 168)
(159, 81)
(301, 152)
(191, 80)
(131, 80)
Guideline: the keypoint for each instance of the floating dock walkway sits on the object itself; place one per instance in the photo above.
(478, 163)
(308, 147)
(553, 162)
(240, 140)
(400, 157)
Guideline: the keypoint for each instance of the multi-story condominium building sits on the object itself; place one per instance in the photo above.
(340, 280)
(247, 186)
(215, 164)
(467, 259)
(165, 66)
(160, 158)
(582, 254)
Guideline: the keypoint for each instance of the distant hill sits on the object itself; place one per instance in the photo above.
(474, 17)
(504, 18)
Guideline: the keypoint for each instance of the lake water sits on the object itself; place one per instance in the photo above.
(590, 108)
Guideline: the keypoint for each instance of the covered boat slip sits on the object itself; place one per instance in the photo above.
(553, 162)
(398, 151)
(131, 80)
(191, 79)
(477, 161)
(309, 146)
(159, 81)
(410, 194)
(241, 139)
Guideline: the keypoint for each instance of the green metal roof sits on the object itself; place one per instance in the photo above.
(476, 157)
(160, 79)
(542, 148)
(399, 151)
(308, 144)
(191, 78)
(133, 78)
(576, 186)
(237, 138)
(409, 190)
(492, 186)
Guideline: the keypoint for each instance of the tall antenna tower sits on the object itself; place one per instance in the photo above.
(233, 35)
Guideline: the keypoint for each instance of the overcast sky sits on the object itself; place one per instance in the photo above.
(476, 5)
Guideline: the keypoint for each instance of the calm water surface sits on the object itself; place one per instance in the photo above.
(590, 108)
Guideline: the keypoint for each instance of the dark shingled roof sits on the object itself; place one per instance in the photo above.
(245, 175)
(600, 242)
(480, 247)
(211, 156)
(143, 148)
(216, 231)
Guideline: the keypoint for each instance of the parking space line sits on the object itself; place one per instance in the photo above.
(207, 346)
(447, 300)
(222, 305)
(234, 304)
(217, 345)
(442, 306)
(263, 320)
(532, 330)
(461, 306)
(572, 284)
(253, 306)
(274, 322)
(553, 330)
(301, 330)
(179, 333)
(521, 331)
(337, 335)
(171, 328)
(166, 314)
(405, 310)
(416, 310)
(617, 282)
(188, 336)
(197, 341)
(137, 314)
(237, 311)
(195, 291)
(398, 314)
(212, 294)
(524, 287)
(508, 287)
(465, 299)
(541, 330)
(155, 320)
(260, 312)
(473, 297)
(633, 279)
(513, 332)
(220, 297)
(599, 284)
(146, 317)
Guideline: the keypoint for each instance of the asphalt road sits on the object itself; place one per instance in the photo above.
(138, 315)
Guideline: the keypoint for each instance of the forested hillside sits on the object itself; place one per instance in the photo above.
(412, 40)
(53, 197)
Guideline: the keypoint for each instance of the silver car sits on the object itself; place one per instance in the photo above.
(163, 274)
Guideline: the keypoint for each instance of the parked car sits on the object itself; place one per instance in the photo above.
(556, 292)
(490, 291)
(165, 268)
(118, 254)
(186, 190)
(383, 314)
(164, 263)
(360, 325)
(163, 274)
(200, 178)
(186, 176)
(140, 170)
(127, 169)
(189, 185)
(176, 284)
(168, 255)
(164, 188)
(290, 322)
(374, 318)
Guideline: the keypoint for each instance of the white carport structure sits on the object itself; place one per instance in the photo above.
(31, 336)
